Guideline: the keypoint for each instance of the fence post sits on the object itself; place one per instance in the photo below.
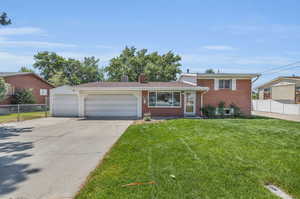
(18, 117)
(46, 114)
(270, 106)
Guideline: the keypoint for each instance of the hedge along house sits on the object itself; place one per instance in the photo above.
(184, 97)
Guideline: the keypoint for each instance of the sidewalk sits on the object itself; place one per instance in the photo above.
(295, 118)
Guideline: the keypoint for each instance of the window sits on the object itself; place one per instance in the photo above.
(164, 99)
(10, 90)
(225, 83)
(43, 92)
(226, 111)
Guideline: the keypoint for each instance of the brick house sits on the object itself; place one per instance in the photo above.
(184, 97)
(26, 80)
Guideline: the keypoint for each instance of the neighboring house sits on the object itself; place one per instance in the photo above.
(26, 80)
(133, 99)
(285, 89)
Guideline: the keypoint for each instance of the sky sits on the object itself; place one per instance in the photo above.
(249, 36)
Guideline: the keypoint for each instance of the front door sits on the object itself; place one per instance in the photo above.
(189, 103)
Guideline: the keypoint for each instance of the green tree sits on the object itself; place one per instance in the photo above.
(210, 71)
(48, 63)
(132, 62)
(25, 69)
(4, 20)
(23, 96)
(59, 70)
(3, 89)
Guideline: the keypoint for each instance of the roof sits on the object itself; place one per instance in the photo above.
(9, 74)
(226, 75)
(140, 86)
(278, 79)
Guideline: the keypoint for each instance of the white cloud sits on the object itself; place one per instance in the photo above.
(20, 31)
(13, 62)
(7, 43)
(218, 47)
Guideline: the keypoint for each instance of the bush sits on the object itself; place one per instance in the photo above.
(147, 117)
(23, 96)
(236, 110)
(209, 111)
(221, 107)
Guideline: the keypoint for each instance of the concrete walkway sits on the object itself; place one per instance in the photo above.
(50, 158)
(277, 115)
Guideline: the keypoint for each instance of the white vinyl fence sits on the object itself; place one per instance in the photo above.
(275, 107)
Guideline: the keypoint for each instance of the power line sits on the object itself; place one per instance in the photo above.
(278, 67)
(284, 69)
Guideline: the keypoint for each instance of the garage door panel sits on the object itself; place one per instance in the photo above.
(65, 105)
(111, 106)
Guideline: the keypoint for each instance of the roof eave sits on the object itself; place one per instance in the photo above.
(196, 88)
(238, 76)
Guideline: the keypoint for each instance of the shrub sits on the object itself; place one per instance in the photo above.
(236, 110)
(23, 96)
(147, 117)
(221, 107)
(209, 111)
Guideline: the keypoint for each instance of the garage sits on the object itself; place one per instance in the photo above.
(111, 105)
(65, 105)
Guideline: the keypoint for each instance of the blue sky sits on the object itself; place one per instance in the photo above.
(230, 36)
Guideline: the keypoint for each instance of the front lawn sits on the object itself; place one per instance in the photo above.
(23, 116)
(229, 158)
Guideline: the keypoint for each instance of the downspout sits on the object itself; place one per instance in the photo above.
(201, 104)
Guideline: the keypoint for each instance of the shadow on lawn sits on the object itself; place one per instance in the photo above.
(12, 171)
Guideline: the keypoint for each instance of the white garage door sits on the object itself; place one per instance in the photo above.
(65, 105)
(111, 106)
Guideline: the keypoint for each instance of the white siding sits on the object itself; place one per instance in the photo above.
(111, 105)
(65, 105)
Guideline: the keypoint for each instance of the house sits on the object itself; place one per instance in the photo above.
(26, 80)
(184, 97)
(285, 89)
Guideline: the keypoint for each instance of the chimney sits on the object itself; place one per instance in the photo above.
(124, 78)
(142, 78)
(187, 70)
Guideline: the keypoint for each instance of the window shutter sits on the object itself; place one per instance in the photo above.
(234, 84)
(216, 84)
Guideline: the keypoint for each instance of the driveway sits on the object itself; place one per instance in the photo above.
(295, 118)
(51, 157)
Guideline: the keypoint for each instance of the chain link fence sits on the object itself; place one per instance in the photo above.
(20, 112)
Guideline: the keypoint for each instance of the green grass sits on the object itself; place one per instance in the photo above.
(23, 116)
(223, 158)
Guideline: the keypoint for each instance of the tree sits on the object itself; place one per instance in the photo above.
(60, 71)
(4, 20)
(210, 71)
(132, 62)
(48, 63)
(3, 89)
(25, 69)
(23, 96)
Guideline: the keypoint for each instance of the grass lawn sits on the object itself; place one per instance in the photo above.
(228, 158)
(23, 116)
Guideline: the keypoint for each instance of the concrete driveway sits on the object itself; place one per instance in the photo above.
(51, 157)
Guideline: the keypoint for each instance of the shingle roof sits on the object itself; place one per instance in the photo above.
(175, 84)
(216, 75)
(6, 74)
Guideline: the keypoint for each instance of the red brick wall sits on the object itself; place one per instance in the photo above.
(241, 97)
(161, 111)
(28, 81)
